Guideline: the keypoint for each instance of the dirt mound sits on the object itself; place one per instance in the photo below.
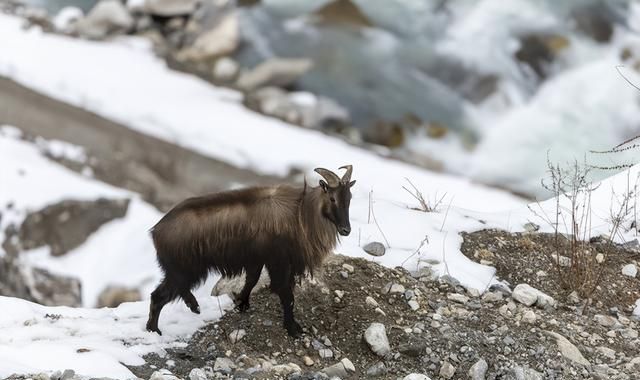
(434, 327)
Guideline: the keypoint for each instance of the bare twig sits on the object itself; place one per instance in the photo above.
(422, 243)
(375, 220)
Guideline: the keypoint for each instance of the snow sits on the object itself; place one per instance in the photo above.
(44, 339)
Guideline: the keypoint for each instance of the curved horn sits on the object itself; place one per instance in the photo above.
(347, 175)
(332, 179)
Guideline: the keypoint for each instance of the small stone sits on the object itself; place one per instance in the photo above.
(414, 305)
(492, 297)
(348, 268)
(529, 316)
(524, 373)
(606, 351)
(308, 361)
(226, 69)
(371, 302)
(376, 338)
(336, 370)
(197, 374)
(378, 369)
(68, 374)
(478, 370)
(325, 353)
(459, 298)
(416, 376)
(237, 335)
(162, 374)
(530, 296)
(339, 293)
(629, 333)
(348, 365)
(600, 258)
(374, 249)
(630, 270)
(568, 350)
(396, 288)
(447, 370)
(224, 365)
(605, 320)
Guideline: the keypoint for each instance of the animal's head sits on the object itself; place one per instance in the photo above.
(336, 197)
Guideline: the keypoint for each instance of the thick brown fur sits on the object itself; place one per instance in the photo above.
(288, 230)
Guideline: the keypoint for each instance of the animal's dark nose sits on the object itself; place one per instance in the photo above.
(345, 231)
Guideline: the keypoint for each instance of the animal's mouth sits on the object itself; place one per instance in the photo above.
(344, 231)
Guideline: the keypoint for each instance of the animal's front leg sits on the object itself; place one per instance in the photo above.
(282, 283)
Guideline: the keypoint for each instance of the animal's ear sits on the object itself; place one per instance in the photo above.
(352, 183)
(324, 186)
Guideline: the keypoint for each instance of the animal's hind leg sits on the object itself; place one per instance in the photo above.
(163, 294)
(253, 275)
(190, 300)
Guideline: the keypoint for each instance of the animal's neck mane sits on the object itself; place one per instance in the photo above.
(320, 236)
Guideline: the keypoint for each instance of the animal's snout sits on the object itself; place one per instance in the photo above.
(344, 231)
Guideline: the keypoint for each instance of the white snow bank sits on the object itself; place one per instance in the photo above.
(38, 339)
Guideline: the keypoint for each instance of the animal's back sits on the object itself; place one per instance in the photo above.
(225, 226)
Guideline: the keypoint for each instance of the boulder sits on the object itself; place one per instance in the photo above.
(66, 225)
(170, 8)
(568, 350)
(530, 296)
(113, 295)
(233, 286)
(108, 17)
(66, 19)
(279, 72)
(37, 285)
(220, 41)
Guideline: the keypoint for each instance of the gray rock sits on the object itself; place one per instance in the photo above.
(416, 376)
(114, 295)
(568, 350)
(325, 353)
(237, 335)
(630, 270)
(605, 320)
(108, 17)
(224, 365)
(336, 370)
(220, 41)
(377, 369)
(374, 248)
(232, 286)
(163, 374)
(523, 373)
(226, 70)
(38, 285)
(198, 374)
(459, 298)
(376, 338)
(447, 370)
(66, 225)
(170, 8)
(530, 296)
(68, 374)
(478, 370)
(277, 72)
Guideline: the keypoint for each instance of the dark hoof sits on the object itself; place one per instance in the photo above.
(152, 328)
(293, 329)
(243, 307)
(195, 309)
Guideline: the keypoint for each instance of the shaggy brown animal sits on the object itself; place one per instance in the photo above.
(286, 229)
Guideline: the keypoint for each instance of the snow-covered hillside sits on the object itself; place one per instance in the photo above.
(123, 81)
